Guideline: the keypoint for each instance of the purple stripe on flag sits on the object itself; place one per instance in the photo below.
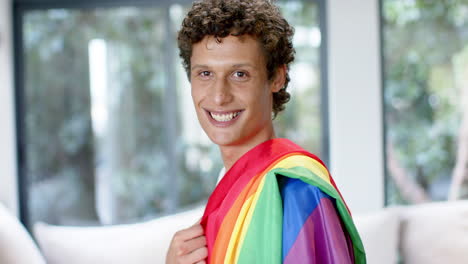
(321, 239)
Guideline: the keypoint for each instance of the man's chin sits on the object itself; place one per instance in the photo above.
(224, 141)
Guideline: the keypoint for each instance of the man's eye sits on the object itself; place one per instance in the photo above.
(240, 74)
(205, 73)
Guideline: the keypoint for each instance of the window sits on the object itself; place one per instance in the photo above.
(425, 49)
(108, 133)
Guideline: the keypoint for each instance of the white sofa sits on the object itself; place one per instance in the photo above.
(16, 246)
(423, 234)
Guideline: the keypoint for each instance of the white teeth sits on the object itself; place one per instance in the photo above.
(224, 117)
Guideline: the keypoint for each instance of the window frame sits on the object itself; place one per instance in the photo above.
(386, 176)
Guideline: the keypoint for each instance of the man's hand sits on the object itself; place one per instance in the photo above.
(188, 246)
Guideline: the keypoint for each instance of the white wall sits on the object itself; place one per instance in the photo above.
(8, 185)
(355, 108)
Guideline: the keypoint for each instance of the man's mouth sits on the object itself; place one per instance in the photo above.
(224, 116)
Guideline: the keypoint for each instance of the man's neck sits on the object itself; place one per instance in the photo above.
(232, 153)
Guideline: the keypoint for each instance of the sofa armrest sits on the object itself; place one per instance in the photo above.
(16, 245)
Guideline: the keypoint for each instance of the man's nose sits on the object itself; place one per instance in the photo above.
(222, 92)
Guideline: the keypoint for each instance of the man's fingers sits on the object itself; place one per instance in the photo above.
(196, 256)
(191, 245)
(189, 233)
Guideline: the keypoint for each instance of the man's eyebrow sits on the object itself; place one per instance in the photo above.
(243, 65)
(238, 65)
(194, 67)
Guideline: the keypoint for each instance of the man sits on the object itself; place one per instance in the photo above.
(277, 202)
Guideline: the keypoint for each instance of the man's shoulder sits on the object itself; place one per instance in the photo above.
(301, 189)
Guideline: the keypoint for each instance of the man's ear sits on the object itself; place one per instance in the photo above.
(279, 79)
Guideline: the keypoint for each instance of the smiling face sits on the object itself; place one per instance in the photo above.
(231, 92)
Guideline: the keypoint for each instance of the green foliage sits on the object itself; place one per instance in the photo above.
(421, 38)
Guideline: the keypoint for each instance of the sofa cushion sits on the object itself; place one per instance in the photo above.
(379, 233)
(142, 243)
(16, 245)
(435, 233)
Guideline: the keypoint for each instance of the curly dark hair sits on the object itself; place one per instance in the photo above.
(258, 18)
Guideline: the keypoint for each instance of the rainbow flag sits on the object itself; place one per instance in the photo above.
(279, 204)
